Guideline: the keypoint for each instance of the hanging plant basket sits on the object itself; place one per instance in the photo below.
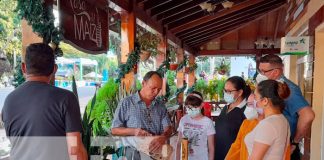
(222, 72)
(145, 55)
(173, 66)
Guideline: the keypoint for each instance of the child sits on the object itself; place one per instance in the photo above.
(197, 128)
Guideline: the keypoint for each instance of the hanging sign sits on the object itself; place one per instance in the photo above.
(84, 25)
(294, 45)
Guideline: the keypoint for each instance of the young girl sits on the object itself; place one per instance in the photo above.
(197, 128)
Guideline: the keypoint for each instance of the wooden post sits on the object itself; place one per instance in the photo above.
(191, 76)
(128, 32)
(180, 74)
(162, 53)
(28, 37)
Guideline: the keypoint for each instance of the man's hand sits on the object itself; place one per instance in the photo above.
(141, 132)
(157, 143)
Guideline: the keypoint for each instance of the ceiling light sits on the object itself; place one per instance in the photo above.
(209, 7)
(227, 4)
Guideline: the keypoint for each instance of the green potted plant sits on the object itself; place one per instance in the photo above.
(149, 44)
(223, 68)
(173, 58)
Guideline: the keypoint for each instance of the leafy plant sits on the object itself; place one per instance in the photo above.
(212, 88)
(148, 41)
(172, 54)
(220, 87)
(201, 86)
(18, 75)
(223, 68)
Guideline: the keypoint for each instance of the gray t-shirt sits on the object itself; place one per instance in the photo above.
(40, 114)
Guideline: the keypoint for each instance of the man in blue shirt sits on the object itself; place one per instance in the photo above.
(141, 114)
(297, 111)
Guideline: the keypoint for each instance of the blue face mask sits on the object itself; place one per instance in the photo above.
(229, 98)
(193, 112)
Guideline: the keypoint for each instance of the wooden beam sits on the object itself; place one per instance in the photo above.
(155, 3)
(181, 27)
(167, 7)
(231, 30)
(238, 52)
(184, 15)
(191, 6)
(193, 17)
(226, 18)
(277, 24)
(204, 40)
(226, 24)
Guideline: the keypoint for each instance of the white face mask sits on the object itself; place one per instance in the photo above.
(229, 98)
(258, 109)
(193, 112)
(250, 112)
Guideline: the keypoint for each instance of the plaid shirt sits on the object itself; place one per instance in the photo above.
(133, 113)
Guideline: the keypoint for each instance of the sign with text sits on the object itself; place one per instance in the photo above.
(84, 26)
(294, 45)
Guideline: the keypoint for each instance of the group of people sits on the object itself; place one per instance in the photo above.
(266, 124)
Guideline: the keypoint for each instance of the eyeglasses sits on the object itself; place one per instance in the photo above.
(229, 91)
(264, 72)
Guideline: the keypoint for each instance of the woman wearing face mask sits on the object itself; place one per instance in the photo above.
(238, 150)
(228, 123)
(270, 138)
(197, 128)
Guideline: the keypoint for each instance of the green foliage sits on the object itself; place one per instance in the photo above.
(170, 81)
(104, 108)
(220, 87)
(41, 18)
(183, 63)
(138, 85)
(132, 60)
(148, 41)
(212, 88)
(10, 30)
(18, 75)
(201, 86)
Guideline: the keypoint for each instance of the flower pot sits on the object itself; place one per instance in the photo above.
(187, 70)
(222, 72)
(145, 55)
(173, 67)
(135, 68)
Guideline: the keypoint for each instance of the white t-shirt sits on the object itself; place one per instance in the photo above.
(273, 131)
(197, 132)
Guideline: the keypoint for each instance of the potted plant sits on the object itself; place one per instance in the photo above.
(148, 43)
(173, 58)
(223, 68)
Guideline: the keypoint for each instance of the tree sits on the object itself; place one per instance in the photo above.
(10, 34)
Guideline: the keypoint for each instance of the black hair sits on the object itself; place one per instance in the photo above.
(239, 83)
(39, 59)
(277, 92)
(149, 74)
(272, 59)
(193, 100)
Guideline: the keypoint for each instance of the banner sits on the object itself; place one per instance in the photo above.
(84, 25)
(294, 45)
